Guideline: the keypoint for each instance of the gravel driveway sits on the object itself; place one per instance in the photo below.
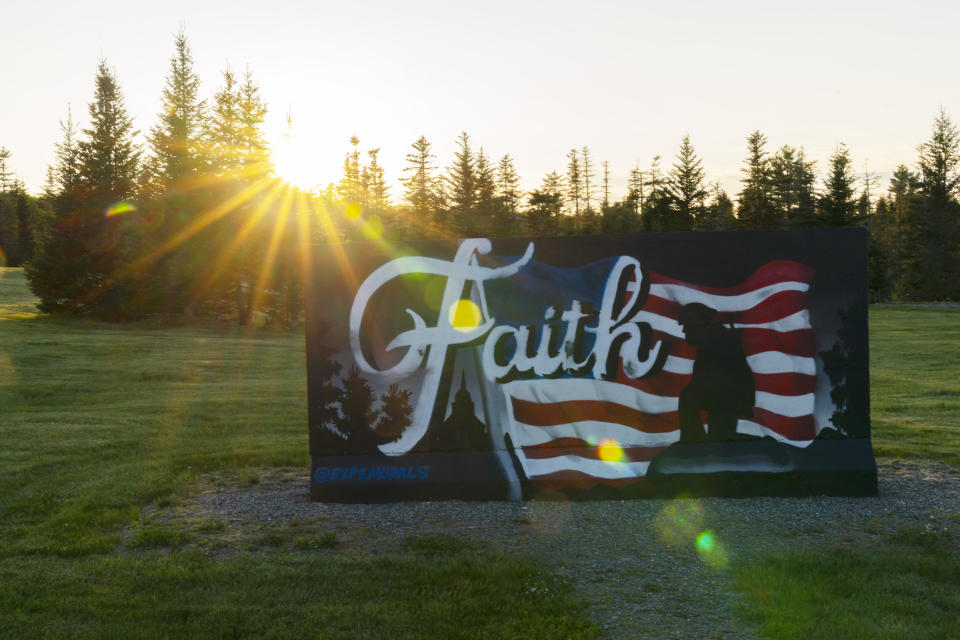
(635, 561)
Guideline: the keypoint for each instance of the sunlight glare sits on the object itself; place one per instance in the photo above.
(294, 163)
(610, 450)
(465, 316)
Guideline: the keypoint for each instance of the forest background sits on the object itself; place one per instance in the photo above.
(198, 222)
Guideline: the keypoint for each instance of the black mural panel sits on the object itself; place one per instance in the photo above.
(728, 363)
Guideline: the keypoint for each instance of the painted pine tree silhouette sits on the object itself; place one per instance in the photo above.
(395, 413)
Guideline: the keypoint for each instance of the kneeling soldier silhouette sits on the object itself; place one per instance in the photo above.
(722, 383)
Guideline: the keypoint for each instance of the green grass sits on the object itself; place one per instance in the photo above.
(904, 587)
(98, 421)
(282, 595)
(915, 382)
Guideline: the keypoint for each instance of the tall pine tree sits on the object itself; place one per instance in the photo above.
(77, 264)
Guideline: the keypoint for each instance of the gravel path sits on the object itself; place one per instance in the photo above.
(635, 561)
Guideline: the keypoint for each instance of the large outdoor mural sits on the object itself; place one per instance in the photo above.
(728, 363)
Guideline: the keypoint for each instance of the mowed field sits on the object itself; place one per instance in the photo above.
(98, 422)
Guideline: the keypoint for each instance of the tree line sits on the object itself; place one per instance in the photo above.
(195, 222)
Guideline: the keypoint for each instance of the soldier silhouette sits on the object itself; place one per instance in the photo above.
(722, 383)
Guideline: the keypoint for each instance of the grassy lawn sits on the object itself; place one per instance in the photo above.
(97, 421)
(915, 382)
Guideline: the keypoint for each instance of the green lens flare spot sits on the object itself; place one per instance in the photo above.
(120, 208)
(706, 542)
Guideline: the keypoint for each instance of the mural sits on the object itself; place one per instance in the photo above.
(728, 363)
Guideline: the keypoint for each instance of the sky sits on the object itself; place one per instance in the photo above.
(532, 79)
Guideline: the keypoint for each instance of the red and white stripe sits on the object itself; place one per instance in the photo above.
(558, 425)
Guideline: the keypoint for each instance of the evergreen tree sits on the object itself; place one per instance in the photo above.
(253, 113)
(635, 189)
(461, 181)
(420, 185)
(838, 203)
(686, 188)
(755, 211)
(546, 205)
(172, 190)
(939, 161)
(605, 185)
(7, 227)
(6, 176)
(240, 172)
(18, 211)
(485, 218)
(718, 213)
(223, 134)
(656, 212)
(508, 185)
(79, 253)
(865, 201)
(177, 140)
(791, 179)
(586, 169)
(933, 271)
(574, 182)
(351, 186)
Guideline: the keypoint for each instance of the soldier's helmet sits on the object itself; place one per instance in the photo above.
(696, 314)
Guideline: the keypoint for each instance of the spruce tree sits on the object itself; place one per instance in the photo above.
(635, 189)
(574, 183)
(6, 176)
(605, 185)
(76, 266)
(461, 182)
(172, 192)
(176, 141)
(934, 238)
(351, 187)
(420, 184)
(546, 205)
(485, 216)
(837, 206)
(7, 227)
(686, 188)
(754, 209)
(240, 174)
(508, 185)
(586, 169)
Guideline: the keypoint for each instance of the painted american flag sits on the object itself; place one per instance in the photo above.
(563, 429)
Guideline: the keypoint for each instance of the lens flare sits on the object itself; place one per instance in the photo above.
(609, 450)
(373, 229)
(120, 208)
(354, 210)
(711, 551)
(679, 521)
(465, 316)
(705, 541)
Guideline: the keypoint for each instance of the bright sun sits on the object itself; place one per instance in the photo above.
(294, 162)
